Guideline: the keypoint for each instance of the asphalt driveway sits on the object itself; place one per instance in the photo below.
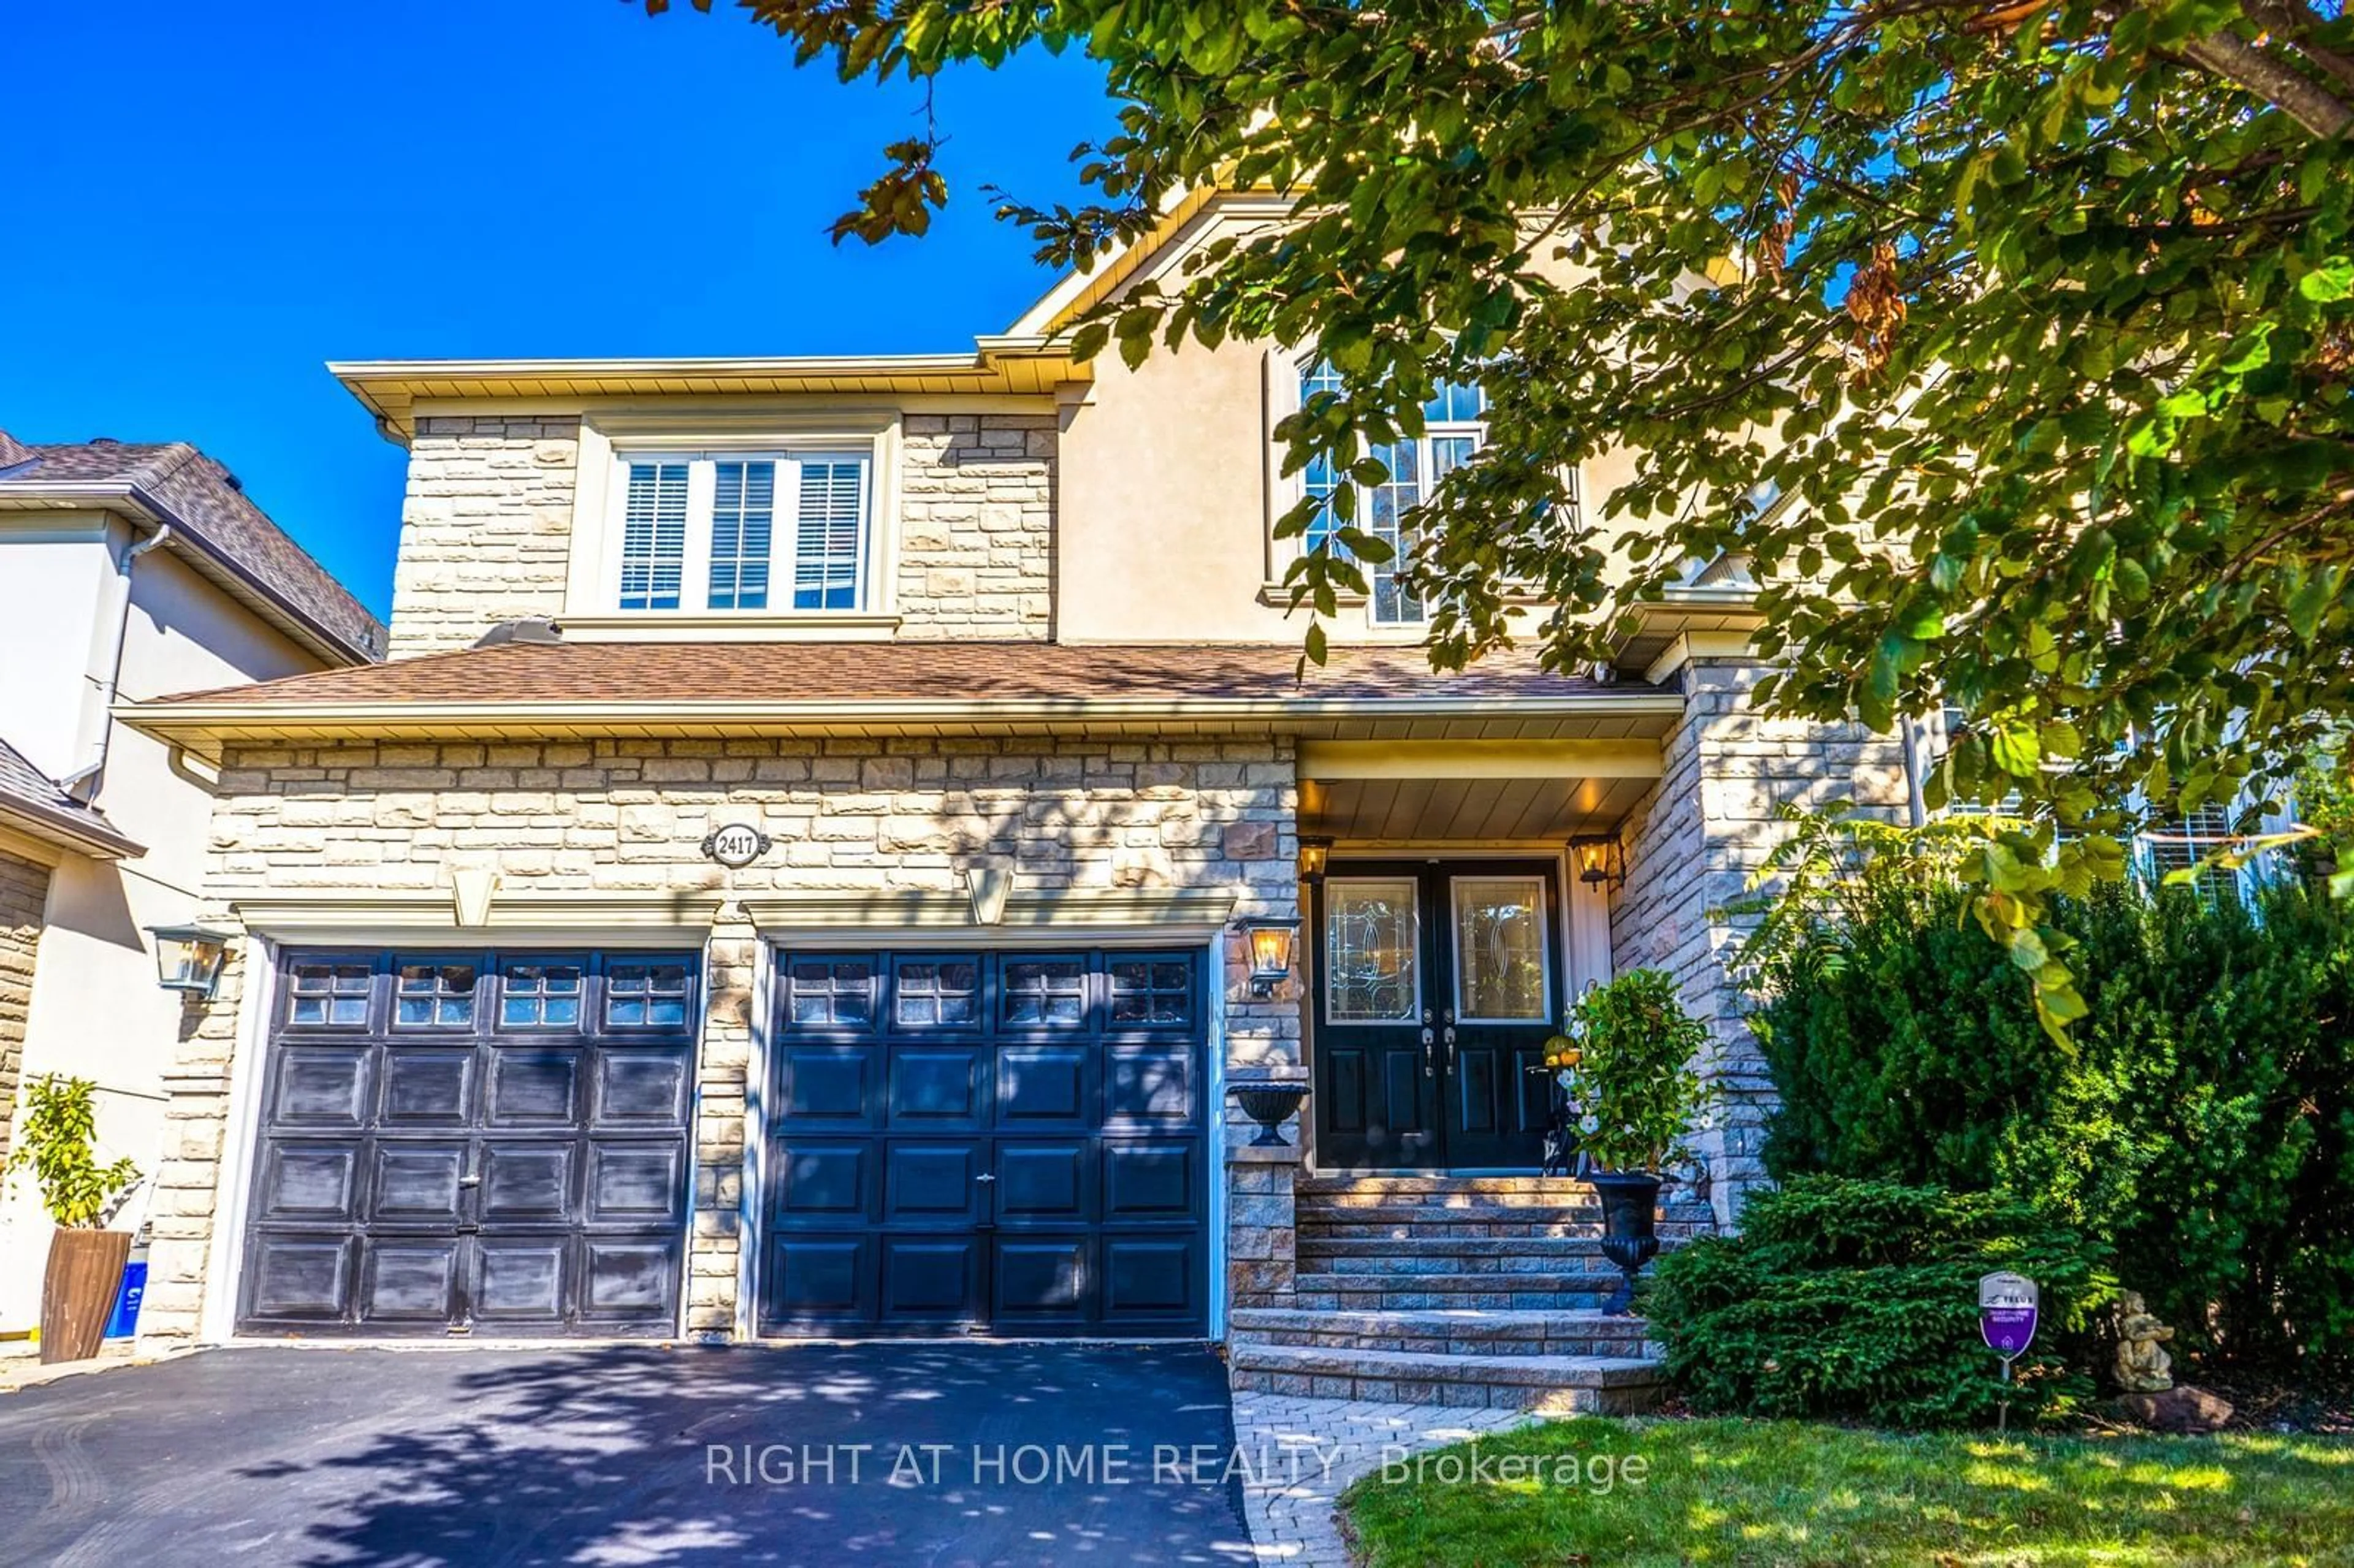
(890, 1454)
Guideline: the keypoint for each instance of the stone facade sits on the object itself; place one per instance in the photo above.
(24, 898)
(977, 526)
(485, 530)
(629, 816)
(1691, 846)
(487, 527)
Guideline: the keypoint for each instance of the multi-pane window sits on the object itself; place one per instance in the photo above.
(647, 994)
(2185, 841)
(536, 995)
(433, 996)
(699, 531)
(1455, 426)
(328, 995)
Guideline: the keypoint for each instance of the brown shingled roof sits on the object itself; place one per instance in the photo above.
(203, 500)
(892, 672)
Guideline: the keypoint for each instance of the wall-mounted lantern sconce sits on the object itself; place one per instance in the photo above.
(189, 958)
(1599, 860)
(1270, 953)
(1315, 854)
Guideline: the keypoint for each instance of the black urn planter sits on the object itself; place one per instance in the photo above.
(1269, 1102)
(1630, 1235)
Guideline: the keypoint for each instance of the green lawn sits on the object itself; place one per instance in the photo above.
(1754, 1492)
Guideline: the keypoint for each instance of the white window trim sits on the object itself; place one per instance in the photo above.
(1537, 884)
(600, 491)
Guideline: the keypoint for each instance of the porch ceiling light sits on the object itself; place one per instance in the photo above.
(1315, 854)
(1270, 953)
(189, 958)
(1600, 862)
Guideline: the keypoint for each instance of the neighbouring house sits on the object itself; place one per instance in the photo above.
(127, 572)
(830, 832)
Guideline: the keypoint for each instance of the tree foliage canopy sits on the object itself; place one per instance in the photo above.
(2036, 320)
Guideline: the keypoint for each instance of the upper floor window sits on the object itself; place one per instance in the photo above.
(1455, 426)
(699, 531)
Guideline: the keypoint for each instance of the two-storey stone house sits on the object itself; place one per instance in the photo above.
(841, 922)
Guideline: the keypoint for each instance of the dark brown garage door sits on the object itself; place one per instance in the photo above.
(1009, 1143)
(489, 1142)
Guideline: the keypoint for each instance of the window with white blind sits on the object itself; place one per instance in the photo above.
(744, 533)
(1455, 426)
(2181, 842)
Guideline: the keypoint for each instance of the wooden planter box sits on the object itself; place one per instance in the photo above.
(78, 1293)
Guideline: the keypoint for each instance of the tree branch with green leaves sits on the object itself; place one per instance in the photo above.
(2038, 318)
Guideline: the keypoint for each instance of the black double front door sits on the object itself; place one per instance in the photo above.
(1436, 984)
(987, 1142)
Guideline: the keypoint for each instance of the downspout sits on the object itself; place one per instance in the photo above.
(1917, 763)
(83, 782)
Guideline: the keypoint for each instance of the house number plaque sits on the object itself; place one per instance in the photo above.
(736, 844)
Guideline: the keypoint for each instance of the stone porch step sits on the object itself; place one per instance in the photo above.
(1454, 1254)
(1556, 1384)
(1393, 1292)
(1483, 1219)
(1465, 1331)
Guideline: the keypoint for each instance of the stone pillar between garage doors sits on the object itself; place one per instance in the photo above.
(1261, 1236)
(715, 1232)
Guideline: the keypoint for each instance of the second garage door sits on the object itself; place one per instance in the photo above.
(978, 1142)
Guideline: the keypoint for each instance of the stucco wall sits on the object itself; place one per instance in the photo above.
(94, 1008)
(490, 522)
(1691, 846)
(629, 816)
(24, 890)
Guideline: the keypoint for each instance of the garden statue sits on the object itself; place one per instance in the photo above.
(2142, 1367)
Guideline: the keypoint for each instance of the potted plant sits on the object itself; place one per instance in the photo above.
(54, 1140)
(1633, 1097)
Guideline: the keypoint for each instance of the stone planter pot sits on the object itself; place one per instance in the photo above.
(1630, 1235)
(78, 1293)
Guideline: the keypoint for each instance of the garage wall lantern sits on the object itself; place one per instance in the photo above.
(1600, 862)
(1315, 854)
(189, 958)
(1270, 953)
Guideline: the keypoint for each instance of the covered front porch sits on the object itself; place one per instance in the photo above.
(1457, 897)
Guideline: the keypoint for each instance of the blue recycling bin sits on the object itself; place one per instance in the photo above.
(125, 1321)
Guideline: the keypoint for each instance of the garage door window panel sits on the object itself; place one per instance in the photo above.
(435, 994)
(545, 994)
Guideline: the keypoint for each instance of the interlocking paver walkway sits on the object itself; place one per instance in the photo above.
(1305, 1452)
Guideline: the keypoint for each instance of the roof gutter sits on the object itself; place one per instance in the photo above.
(171, 720)
(51, 826)
(104, 675)
(142, 504)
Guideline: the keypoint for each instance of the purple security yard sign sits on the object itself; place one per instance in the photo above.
(2006, 1309)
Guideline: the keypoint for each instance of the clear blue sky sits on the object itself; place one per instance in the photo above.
(204, 203)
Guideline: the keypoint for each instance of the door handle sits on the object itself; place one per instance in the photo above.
(1450, 1048)
(1429, 1057)
(984, 1177)
(470, 1181)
